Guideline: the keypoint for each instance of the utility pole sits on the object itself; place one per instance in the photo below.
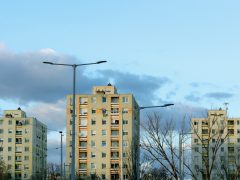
(61, 156)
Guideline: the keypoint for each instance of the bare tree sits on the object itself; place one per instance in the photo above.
(53, 171)
(157, 141)
(209, 136)
(4, 173)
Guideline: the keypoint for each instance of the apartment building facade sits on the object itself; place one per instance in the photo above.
(216, 146)
(107, 134)
(23, 145)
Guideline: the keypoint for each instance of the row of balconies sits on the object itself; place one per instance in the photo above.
(83, 155)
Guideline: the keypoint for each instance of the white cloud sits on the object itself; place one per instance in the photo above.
(51, 114)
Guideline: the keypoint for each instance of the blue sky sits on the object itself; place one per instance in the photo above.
(186, 52)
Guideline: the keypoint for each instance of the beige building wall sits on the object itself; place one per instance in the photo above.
(229, 148)
(23, 142)
(100, 120)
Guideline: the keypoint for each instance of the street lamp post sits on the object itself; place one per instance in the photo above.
(138, 109)
(74, 66)
(181, 155)
(61, 156)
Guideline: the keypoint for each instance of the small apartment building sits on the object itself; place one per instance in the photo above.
(216, 141)
(23, 144)
(107, 134)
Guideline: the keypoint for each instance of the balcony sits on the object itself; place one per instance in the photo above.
(114, 100)
(114, 134)
(114, 155)
(114, 111)
(83, 155)
(18, 132)
(115, 123)
(19, 123)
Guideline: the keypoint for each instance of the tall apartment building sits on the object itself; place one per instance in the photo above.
(23, 144)
(216, 146)
(107, 134)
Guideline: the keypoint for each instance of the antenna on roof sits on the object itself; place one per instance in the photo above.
(226, 105)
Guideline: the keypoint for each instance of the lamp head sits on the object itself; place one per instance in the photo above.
(46, 62)
(99, 62)
(165, 105)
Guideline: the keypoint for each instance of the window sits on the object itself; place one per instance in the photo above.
(104, 143)
(94, 100)
(83, 111)
(103, 176)
(230, 122)
(125, 121)
(83, 165)
(10, 122)
(238, 131)
(83, 100)
(125, 133)
(93, 166)
(114, 132)
(93, 121)
(18, 140)
(1, 131)
(26, 148)
(1, 122)
(83, 133)
(26, 140)
(114, 100)
(114, 154)
(83, 143)
(114, 165)
(125, 143)
(213, 131)
(93, 144)
(213, 140)
(93, 133)
(104, 99)
(93, 111)
(125, 110)
(238, 140)
(204, 131)
(195, 123)
(221, 131)
(9, 158)
(230, 131)
(104, 132)
(230, 149)
(103, 166)
(104, 112)
(196, 149)
(104, 155)
(238, 122)
(104, 122)
(9, 139)
(9, 148)
(125, 99)
(114, 122)
(83, 155)
(196, 140)
(26, 158)
(205, 123)
(114, 110)
(93, 154)
(83, 122)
